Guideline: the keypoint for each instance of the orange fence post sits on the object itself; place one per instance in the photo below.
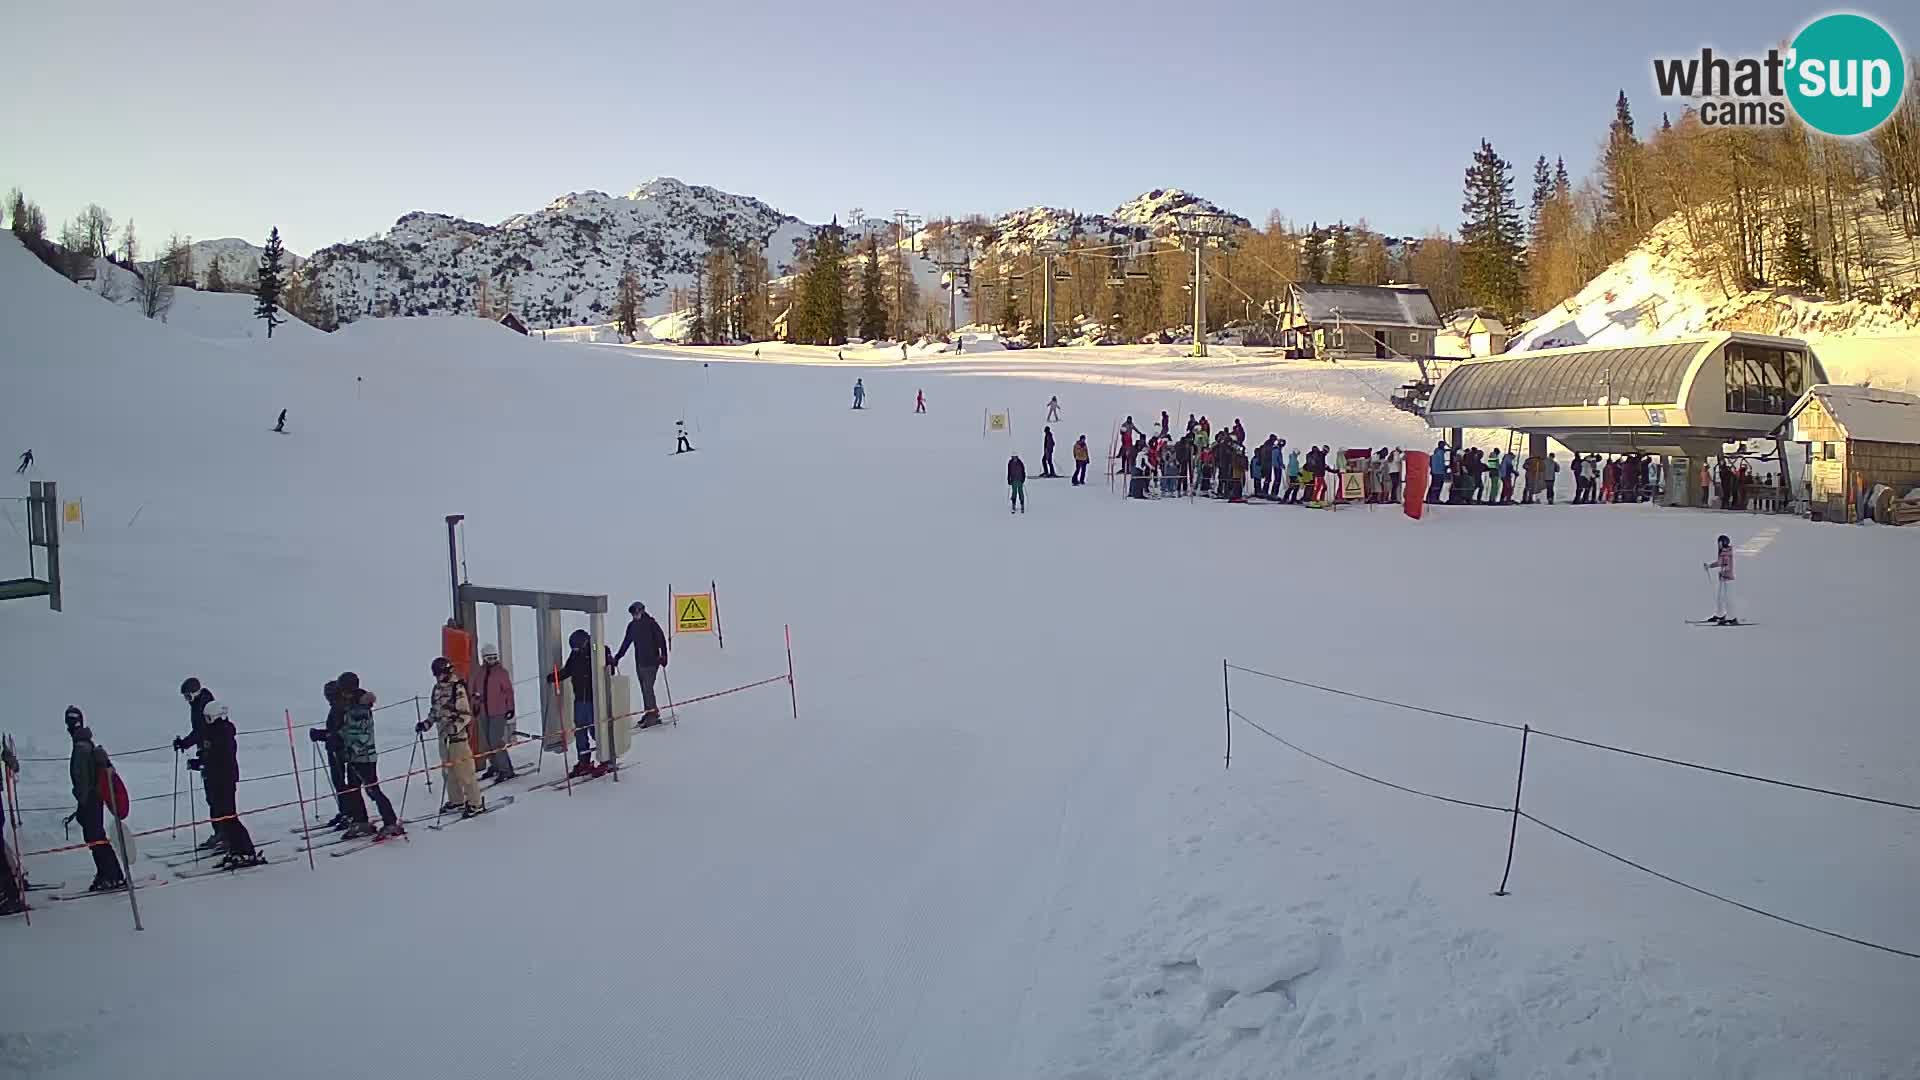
(306, 828)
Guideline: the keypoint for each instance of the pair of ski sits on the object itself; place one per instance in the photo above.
(204, 856)
(349, 847)
(1716, 622)
(562, 782)
(214, 871)
(144, 881)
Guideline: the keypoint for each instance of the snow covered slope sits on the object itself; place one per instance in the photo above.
(998, 841)
(219, 316)
(1653, 292)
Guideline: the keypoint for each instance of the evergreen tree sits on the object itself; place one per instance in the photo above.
(267, 293)
(1492, 269)
(1340, 255)
(216, 280)
(1561, 185)
(1796, 264)
(873, 307)
(1009, 311)
(1621, 186)
(819, 315)
(1313, 255)
(1542, 191)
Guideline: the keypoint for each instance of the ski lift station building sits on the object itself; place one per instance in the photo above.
(1685, 397)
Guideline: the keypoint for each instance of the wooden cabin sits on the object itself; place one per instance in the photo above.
(1858, 437)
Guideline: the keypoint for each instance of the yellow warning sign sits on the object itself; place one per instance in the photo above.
(75, 513)
(692, 613)
(996, 421)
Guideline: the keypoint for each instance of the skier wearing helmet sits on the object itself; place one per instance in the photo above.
(198, 697)
(493, 703)
(649, 645)
(451, 710)
(91, 770)
(219, 767)
(579, 668)
(1723, 592)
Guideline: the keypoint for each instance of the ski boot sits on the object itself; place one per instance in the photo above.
(388, 832)
(582, 769)
(215, 844)
(241, 862)
(103, 885)
(12, 907)
(357, 830)
(473, 809)
(449, 807)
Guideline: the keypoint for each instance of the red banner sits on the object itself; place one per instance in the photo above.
(1413, 492)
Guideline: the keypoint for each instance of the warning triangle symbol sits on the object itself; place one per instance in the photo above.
(691, 612)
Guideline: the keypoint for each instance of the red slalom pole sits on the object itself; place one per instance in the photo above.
(306, 829)
(791, 693)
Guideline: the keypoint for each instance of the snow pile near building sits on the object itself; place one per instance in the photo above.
(1652, 292)
(998, 840)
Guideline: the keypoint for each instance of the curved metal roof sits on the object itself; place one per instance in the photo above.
(1637, 374)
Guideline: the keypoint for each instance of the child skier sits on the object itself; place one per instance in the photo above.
(1017, 485)
(1723, 593)
(859, 394)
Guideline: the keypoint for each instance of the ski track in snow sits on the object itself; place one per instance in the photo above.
(999, 841)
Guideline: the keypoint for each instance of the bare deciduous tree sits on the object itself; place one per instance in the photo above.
(155, 291)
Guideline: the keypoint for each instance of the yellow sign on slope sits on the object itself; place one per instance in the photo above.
(692, 613)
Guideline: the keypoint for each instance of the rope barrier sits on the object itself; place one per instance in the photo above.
(1723, 899)
(1353, 772)
(1856, 797)
(1622, 859)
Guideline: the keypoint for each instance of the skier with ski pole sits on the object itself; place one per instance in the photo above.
(1723, 581)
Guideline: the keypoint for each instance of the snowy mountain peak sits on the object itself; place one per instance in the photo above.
(1156, 208)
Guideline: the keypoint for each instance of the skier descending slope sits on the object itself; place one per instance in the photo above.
(1723, 591)
(90, 767)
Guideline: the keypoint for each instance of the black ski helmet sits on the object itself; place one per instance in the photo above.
(74, 719)
(636, 608)
(190, 687)
(1724, 542)
(442, 667)
(348, 682)
(579, 639)
(329, 690)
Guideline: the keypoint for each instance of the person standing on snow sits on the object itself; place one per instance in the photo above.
(859, 393)
(1053, 409)
(1046, 456)
(493, 704)
(280, 425)
(649, 645)
(451, 710)
(919, 398)
(92, 772)
(1533, 469)
(1017, 485)
(13, 879)
(1723, 592)
(1507, 471)
(1549, 472)
(1080, 458)
(356, 740)
(198, 697)
(1437, 473)
(579, 668)
(219, 767)
(681, 445)
(329, 734)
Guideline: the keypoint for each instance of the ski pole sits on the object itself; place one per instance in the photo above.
(404, 788)
(175, 829)
(422, 739)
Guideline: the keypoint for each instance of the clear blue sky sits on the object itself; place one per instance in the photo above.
(331, 119)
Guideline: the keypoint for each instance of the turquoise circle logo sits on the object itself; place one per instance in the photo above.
(1848, 75)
